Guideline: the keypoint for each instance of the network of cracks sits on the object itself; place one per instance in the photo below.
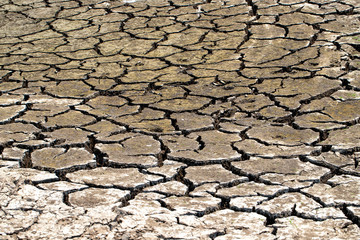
(183, 119)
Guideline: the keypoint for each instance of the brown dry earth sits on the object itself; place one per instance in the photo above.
(179, 119)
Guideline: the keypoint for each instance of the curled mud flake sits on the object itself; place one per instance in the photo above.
(12, 153)
(345, 95)
(353, 78)
(10, 112)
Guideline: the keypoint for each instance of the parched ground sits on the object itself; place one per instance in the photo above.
(180, 119)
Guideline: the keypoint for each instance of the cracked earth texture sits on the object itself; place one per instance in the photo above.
(179, 119)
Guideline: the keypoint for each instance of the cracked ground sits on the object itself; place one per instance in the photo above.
(180, 119)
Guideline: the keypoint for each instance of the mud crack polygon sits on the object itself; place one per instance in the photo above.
(182, 119)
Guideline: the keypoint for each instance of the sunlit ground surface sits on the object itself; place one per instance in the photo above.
(179, 119)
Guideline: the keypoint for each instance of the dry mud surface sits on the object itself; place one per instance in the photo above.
(179, 119)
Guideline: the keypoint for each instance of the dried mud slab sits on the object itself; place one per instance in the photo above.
(186, 119)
